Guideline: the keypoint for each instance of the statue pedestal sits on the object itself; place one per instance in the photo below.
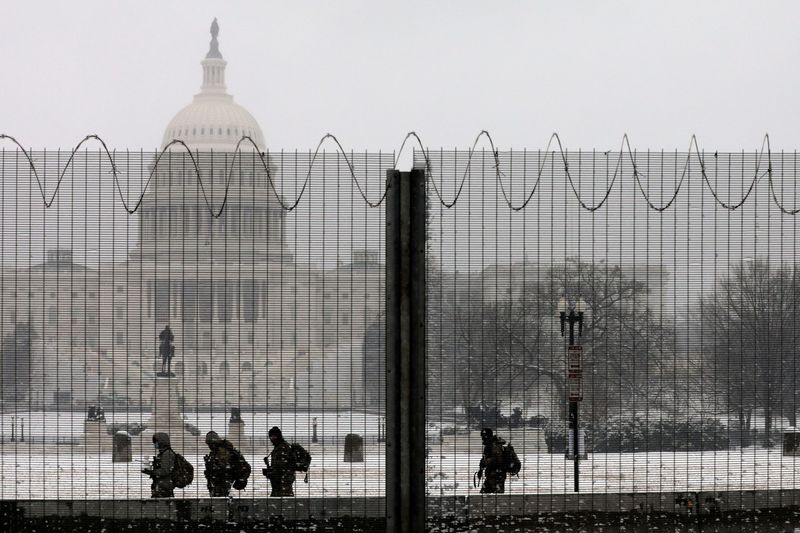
(237, 437)
(166, 417)
(95, 436)
(166, 414)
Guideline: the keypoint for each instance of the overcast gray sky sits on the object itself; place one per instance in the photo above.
(370, 71)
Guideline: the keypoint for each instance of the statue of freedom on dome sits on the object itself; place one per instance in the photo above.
(213, 51)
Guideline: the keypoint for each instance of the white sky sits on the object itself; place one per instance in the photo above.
(371, 71)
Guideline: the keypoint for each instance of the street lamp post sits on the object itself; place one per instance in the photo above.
(574, 373)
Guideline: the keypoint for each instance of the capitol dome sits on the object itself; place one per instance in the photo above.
(213, 121)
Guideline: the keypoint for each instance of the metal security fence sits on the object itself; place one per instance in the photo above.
(645, 298)
(185, 292)
(634, 307)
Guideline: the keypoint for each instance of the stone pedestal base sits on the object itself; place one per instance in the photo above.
(122, 448)
(353, 448)
(95, 437)
(237, 437)
(166, 417)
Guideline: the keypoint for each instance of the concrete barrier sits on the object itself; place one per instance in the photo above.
(473, 506)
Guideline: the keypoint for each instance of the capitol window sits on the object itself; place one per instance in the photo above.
(219, 132)
(202, 131)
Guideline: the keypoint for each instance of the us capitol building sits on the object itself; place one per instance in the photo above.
(253, 328)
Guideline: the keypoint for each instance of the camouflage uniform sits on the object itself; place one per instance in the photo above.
(280, 466)
(494, 481)
(218, 465)
(161, 472)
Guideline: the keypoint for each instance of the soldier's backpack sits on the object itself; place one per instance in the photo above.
(511, 463)
(240, 470)
(182, 472)
(301, 459)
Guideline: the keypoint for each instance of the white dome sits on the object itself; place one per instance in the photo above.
(213, 121)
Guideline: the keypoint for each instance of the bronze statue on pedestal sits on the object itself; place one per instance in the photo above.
(166, 351)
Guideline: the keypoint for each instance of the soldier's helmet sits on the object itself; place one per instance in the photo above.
(486, 433)
(212, 438)
(275, 431)
(162, 439)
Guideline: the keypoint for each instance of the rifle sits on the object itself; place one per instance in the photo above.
(478, 475)
(268, 470)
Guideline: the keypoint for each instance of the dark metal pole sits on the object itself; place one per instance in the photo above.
(405, 351)
(573, 412)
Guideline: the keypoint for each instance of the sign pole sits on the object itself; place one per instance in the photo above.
(575, 385)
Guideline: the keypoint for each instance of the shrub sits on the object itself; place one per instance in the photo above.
(555, 436)
(636, 434)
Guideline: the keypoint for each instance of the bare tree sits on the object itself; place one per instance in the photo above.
(499, 345)
(753, 331)
(626, 344)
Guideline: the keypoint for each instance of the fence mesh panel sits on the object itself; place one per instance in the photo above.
(684, 265)
(268, 271)
(675, 270)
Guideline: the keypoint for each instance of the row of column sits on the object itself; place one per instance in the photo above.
(234, 222)
(202, 301)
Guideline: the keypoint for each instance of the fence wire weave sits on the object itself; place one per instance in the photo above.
(268, 267)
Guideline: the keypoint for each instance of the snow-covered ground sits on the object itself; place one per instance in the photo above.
(35, 472)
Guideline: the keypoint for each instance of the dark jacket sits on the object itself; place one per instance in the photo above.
(280, 458)
(494, 478)
(281, 469)
(163, 465)
(219, 461)
(492, 459)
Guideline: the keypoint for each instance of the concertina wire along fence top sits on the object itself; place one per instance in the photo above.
(624, 153)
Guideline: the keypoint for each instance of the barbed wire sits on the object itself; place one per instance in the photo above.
(262, 157)
(625, 152)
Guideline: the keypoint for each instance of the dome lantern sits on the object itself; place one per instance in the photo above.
(213, 121)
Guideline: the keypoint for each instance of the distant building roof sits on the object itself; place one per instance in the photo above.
(58, 259)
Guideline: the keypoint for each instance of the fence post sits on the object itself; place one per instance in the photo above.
(405, 351)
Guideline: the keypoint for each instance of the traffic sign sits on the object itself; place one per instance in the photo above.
(575, 389)
(574, 359)
(575, 373)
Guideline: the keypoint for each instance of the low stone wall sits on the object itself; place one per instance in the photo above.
(485, 505)
(202, 509)
(96, 438)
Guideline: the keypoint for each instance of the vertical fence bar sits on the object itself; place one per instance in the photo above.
(405, 351)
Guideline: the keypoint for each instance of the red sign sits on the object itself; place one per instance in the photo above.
(575, 389)
(574, 373)
(574, 360)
